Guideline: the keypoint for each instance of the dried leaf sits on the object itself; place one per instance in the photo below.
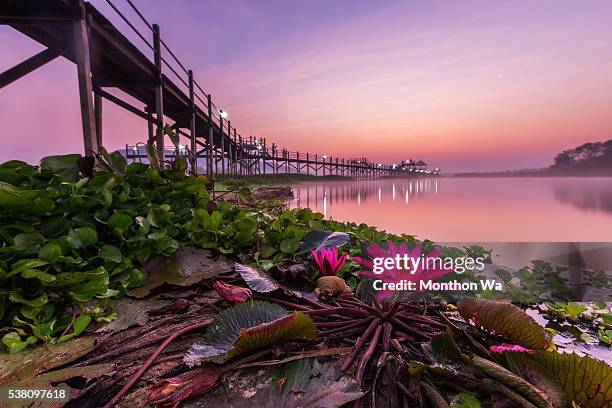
(186, 267)
(305, 384)
(232, 293)
(30, 362)
(171, 391)
(131, 312)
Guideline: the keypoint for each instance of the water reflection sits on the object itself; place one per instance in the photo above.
(587, 194)
(319, 195)
(471, 209)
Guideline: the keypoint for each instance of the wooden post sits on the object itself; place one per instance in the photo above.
(209, 155)
(98, 117)
(230, 161)
(159, 95)
(222, 147)
(235, 153)
(192, 126)
(150, 125)
(83, 63)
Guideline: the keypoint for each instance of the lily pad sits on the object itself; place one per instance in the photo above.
(28, 363)
(316, 240)
(246, 327)
(585, 380)
(505, 320)
(186, 267)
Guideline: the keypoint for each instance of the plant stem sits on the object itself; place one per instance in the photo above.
(362, 339)
(367, 355)
(355, 324)
(147, 364)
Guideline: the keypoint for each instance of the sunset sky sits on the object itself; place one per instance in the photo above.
(463, 85)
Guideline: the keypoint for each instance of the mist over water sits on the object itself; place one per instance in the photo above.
(471, 209)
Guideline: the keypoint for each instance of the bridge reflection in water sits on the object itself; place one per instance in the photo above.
(318, 196)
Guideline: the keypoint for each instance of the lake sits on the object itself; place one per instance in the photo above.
(473, 209)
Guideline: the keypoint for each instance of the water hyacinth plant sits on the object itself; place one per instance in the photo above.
(328, 261)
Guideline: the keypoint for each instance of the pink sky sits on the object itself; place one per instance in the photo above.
(471, 85)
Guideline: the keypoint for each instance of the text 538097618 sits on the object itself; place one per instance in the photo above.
(31, 394)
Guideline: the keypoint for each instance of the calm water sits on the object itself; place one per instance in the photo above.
(471, 209)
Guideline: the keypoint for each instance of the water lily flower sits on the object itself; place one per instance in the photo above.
(394, 275)
(327, 260)
(232, 293)
(508, 347)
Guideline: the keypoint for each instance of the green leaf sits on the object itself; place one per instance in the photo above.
(249, 326)
(288, 246)
(505, 320)
(585, 380)
(152, 155)
(50, 252)
(14, 344)
(27, 240)
(38, 274)
(64, 165)
(110, 253)
(36, 302)
(465, 400)
(82, 237)
(315, 240)
(574, 309)
(24, 264)
(120, 221)
(80, 324)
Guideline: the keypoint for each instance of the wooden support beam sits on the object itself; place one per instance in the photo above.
(98, 117)
(159, 94)
(24, 68)
(83, 61)
(150, 121)
(192, 126)
(146, 116)
(209, 164)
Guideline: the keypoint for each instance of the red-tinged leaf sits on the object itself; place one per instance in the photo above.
(246, 327)
(505, 320)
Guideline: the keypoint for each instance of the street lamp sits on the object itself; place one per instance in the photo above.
(222, 114)
(324, 156)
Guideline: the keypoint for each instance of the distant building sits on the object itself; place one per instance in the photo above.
(421, 165)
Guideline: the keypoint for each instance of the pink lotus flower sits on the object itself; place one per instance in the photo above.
(508, 347)
(327, 260)
(232, 293)
(394, 275)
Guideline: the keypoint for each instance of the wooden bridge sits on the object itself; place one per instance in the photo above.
(106, 59)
